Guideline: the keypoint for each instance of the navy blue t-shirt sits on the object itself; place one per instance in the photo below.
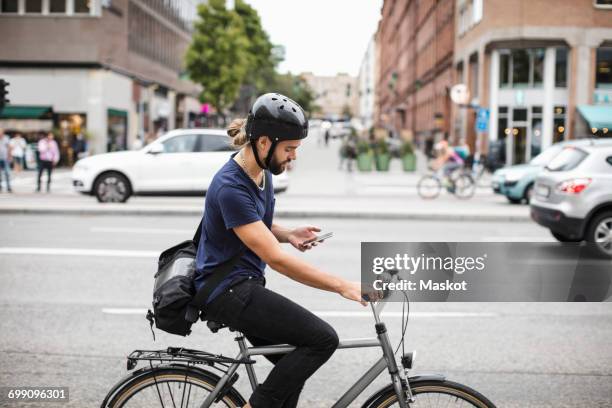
(233, 199)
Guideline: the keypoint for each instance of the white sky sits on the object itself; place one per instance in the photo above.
(321, 36)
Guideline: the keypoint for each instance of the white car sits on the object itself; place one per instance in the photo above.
(183, 161)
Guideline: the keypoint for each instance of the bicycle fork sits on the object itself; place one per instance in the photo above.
(399, 379)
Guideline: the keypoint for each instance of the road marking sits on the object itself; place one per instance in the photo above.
(335, 313)
(79, 252)
(141, 230)
(516, 239)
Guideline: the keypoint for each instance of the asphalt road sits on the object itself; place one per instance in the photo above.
(72, 291)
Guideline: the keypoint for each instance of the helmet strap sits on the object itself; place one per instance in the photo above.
(268, 158)
(271, 153)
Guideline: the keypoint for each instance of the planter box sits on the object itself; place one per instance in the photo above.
(364, 162)
(382, 162)
(409, 162)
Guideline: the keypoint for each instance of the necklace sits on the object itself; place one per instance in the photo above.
(244, 166)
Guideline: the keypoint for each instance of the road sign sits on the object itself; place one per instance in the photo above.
(482, 120)
(460, 94)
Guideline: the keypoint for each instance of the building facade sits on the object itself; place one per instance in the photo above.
(542, 69)
(336, 96)
(366, 81)
(415, 68)
(110, 69)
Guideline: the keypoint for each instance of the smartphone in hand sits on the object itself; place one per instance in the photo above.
(319, 238)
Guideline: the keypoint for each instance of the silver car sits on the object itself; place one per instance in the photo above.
(573, 195)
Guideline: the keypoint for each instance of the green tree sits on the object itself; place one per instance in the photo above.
(261, 58)
(216, 54)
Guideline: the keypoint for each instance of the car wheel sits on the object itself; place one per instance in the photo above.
(112, 188)
(600, 233)
(563, 238)
(514, 200)
(528, 193)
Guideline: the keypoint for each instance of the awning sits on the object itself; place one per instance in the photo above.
(117, 112)
(598, 116)
(26, 112)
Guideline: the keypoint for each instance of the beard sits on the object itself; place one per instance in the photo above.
(277, 167)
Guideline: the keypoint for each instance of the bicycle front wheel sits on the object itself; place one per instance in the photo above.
(429, 187)
(432, 394)
(170, 386)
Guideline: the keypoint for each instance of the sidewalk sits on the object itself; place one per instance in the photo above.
(317, 190)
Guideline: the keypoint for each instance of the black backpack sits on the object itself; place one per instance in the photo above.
(176, 305)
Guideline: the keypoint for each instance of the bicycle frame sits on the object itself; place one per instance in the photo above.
(400, 382)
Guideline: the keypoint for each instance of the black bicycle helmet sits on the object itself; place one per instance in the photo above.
(278, 117)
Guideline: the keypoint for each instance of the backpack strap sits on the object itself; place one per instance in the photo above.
(216, 277)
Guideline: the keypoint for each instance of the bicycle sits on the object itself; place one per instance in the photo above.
(175, 378)
(459, 183)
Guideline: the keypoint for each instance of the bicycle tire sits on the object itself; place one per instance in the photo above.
(429, 187)
(130, 393)
(461, 394)
(464, 186)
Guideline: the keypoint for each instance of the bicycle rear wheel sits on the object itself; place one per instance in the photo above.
(464, 186)
(169, 386)
(429, 187)
(432, 394)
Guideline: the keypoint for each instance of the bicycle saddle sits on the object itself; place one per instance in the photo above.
(215, 326)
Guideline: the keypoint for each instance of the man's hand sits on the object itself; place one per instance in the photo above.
(352, 291)
(299, 235)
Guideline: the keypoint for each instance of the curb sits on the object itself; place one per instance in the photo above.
(296, 214)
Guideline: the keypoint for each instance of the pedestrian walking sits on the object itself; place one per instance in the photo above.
(18, 147)
(327, 136)
(79, 146)
(49, 156)
(5, 160)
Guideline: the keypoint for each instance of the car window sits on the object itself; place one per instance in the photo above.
(568, 159)
(180, 144)
(213, 143)
(546, 156)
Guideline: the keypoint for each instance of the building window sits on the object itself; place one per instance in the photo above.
(9, 6)
(561, 68)
(559, 124)
(519, 115)
(33, 6)
(57, 6)
(538, 66)
(603, 74)
(602, 3)
(521, 68)
(82, 6)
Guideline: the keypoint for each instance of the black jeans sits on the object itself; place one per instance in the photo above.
(44, 165)
(265, 318)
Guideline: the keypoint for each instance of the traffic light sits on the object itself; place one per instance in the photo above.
(3, 93)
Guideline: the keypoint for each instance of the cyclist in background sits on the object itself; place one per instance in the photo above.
(448, 159)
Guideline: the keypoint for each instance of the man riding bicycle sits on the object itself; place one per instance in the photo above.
(238, 219)
(448, 159)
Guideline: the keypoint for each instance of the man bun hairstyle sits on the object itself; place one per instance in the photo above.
(237, 131)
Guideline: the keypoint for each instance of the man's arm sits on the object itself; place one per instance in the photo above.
(259, 239)
(281, 233)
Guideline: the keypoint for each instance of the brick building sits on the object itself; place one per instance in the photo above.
(415, 40)
(541, 67)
